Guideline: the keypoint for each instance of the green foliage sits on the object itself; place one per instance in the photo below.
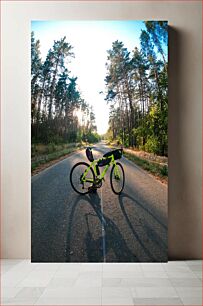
(49, 155)
(137, 91)
(33, 150)
(164, 171)
(152, 145)
(56, 102)
(152, 167)
(91, 137)
(51, 147)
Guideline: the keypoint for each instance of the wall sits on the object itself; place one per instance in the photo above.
(185, 73)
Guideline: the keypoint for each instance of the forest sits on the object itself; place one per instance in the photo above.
(59, 114)
(137, 91)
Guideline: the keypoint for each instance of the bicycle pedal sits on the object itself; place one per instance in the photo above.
(98, 184)
(92, 189)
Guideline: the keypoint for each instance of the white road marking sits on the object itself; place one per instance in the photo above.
(103, 224)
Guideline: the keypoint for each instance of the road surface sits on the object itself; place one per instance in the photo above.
(100, 227)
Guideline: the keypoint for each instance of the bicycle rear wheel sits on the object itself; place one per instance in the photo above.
(117, 178)
(76, 177)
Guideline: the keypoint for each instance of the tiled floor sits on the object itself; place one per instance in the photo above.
(173, 283)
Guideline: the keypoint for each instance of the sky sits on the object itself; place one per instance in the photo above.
(90, 41)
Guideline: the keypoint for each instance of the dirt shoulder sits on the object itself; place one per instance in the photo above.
(152, 165)
(161, 160)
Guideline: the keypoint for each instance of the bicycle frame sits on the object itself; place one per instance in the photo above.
(100, 177)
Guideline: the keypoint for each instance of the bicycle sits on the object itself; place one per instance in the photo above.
(85, 178)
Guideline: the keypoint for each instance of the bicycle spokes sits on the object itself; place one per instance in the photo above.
(82, 178)
(117, 178)
(116, 173)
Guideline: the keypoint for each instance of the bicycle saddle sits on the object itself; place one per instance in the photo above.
(89, 154)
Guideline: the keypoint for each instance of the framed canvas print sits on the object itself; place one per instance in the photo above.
(99, 124)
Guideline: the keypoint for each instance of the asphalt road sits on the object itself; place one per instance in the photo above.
(100, 227)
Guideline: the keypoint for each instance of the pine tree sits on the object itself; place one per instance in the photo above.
(36, 66)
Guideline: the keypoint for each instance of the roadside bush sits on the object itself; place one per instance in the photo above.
(33, 150)
(51, 147)
(152, 145)
(91, 137)
(164, 171)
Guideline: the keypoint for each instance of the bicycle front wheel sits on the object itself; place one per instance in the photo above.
(82, 177)
(117, 178)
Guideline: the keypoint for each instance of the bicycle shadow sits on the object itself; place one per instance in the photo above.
(150, 223)
(110, 239)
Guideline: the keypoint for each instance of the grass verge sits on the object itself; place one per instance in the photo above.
(45, 159)
(160, 171)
